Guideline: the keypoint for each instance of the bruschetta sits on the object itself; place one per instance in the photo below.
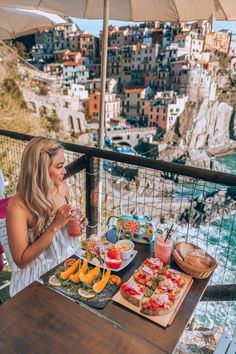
(156, 305)
(132, 292)
(154, 263)
(144, 276)
(175, 276)
(167, 286)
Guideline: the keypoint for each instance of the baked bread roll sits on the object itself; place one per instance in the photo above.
(185, 249)
(197, 261)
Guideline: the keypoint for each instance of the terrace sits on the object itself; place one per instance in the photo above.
(204, 202)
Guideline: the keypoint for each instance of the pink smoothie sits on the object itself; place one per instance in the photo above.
(74, 226)
(162, 250)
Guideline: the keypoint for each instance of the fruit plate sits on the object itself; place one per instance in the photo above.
(70, 289)
(123, 264)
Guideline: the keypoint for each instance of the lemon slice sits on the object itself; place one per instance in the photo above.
(86, 294)
(54, 281)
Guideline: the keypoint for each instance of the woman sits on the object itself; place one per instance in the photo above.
(38, 213)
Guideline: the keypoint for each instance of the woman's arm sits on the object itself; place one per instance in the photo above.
(23, 253)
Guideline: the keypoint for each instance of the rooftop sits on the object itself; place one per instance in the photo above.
(135, 90)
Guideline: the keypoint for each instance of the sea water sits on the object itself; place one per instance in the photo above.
(222, 237)
(218, 239)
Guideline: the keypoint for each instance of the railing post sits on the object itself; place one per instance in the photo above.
(92, 194)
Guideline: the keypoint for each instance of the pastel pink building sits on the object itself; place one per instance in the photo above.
(156, 113)
(179, 76)
(151, 78)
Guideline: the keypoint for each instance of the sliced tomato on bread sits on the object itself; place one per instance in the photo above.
(175, 276)
(168, 287)
(156, 305)
(132, 292)
(145, 276)
(154, 263)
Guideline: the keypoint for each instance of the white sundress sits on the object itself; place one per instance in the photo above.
(61, 247)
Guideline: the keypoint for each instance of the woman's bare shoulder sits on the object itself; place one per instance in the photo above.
(17, 202)
(63, 189)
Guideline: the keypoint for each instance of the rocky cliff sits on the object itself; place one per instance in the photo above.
(208, 126)
(205, 129)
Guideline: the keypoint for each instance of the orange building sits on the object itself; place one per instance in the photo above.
(112, 106)
(94, 104)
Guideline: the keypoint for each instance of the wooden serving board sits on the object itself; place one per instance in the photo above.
(164, 320)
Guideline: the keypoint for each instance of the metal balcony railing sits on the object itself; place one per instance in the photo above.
(204, 201)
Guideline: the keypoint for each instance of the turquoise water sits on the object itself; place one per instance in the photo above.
(228, 161)
(219, 239)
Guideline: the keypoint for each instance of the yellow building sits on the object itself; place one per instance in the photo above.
(219, 41)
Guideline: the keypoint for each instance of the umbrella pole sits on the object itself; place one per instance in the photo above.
(102, 121)
(103, 74)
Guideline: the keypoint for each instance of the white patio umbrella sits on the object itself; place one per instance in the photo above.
(134, 10)
(16, 23)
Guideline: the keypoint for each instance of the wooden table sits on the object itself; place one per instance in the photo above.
(39, 320)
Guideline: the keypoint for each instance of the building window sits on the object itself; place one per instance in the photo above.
(71, 123)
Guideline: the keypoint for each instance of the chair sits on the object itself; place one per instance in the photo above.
(226, 345)
(3, 231)
(4, 239)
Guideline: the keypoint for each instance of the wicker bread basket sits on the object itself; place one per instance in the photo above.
(198, 273)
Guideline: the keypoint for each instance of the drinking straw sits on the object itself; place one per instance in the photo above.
(66, 199)
(168, 232)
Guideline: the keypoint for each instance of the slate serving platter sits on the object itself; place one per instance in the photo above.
(99, 302)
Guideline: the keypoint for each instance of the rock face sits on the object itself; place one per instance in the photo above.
(210, 126)
(210, 207)
(203, 130)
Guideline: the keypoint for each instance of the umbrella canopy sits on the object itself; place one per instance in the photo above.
(134, 10)
(16, 23)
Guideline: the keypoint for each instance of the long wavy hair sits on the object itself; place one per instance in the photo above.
(34, 182)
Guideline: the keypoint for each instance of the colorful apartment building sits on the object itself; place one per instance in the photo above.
(74, 73)
(164, 110)
(144, 57)
(89, 45)
(112, 106)
(179, 76)
(132, 104)
(155, 111)
(114, 62)
(217, 41)
(72, 57)
(133, 35)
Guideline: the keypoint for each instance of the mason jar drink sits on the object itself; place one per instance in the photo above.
(163, 249)
(74, 225)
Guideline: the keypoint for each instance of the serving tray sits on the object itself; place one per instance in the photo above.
(70, 289)
(164, 320)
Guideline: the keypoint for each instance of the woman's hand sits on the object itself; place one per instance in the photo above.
(83, 223)
(63, 215)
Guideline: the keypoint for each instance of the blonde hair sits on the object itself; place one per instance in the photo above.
(34, 182)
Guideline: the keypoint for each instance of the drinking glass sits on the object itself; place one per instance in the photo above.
(163, 249)
(74, 225)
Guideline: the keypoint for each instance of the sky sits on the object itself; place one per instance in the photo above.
(94, 26)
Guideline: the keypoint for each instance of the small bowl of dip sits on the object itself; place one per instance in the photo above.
(125, 247)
